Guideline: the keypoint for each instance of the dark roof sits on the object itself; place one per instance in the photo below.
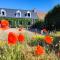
(12, 13)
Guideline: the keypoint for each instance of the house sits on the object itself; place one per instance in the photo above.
(19, 15)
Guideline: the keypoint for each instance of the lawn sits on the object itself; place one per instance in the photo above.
(56, 34)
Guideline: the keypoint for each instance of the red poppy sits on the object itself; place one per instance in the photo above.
(48, 39)
(12, 38)
(4, 24)
(39, 50)
(21, 38)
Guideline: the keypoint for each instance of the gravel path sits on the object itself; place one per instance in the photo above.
(4, 33)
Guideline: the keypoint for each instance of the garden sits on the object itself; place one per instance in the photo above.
(21, 44)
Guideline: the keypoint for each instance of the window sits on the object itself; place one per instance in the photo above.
(28, 14)
(18, 14)
(3, 12)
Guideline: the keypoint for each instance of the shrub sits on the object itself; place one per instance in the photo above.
(38, 39)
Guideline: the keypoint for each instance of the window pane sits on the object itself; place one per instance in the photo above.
(29, 14)
(18, 14)
(3, 13)
(26, 14)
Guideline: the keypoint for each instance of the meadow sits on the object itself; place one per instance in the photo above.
(26, 49)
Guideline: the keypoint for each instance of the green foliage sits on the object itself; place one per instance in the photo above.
(52, 18)
(15, 22)
(56, 39)
(38, 39)
(34, 43)
(38, 24)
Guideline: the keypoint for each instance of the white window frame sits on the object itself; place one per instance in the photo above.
(27, 14)
(2, 10)
(17, 13)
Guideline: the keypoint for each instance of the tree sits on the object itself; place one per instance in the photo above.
(38, 25)
(52, 18)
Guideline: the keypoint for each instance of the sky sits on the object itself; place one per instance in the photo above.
(40, 5)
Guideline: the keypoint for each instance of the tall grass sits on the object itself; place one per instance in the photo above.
(23, 52)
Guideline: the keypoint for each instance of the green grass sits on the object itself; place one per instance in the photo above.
(56, 34)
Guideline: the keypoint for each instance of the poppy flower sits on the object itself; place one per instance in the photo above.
(39, 50)
(21, 38)
(4, 24)
(12, 38)
(48, 39)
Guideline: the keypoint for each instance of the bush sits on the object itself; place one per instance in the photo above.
(38, 25)
(38, 39)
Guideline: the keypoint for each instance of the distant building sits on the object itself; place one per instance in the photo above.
(17, 13)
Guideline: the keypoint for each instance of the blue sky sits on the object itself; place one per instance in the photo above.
(42, 5)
